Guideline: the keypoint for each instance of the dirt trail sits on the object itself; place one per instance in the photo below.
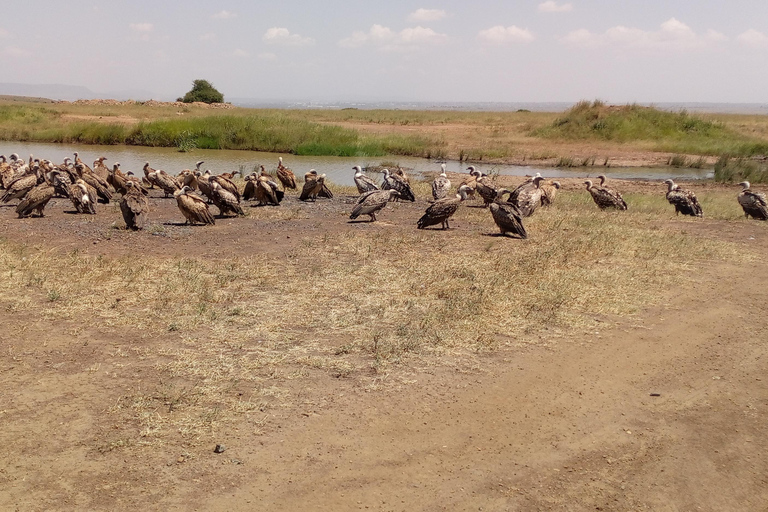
(574, 428)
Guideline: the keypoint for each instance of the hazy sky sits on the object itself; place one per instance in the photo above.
(450, 50)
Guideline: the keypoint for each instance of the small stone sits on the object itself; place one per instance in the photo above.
(219, 448)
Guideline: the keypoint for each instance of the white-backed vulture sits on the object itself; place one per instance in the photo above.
(486, 190)
(397, 182)
(549, 192)
(166, 182)
(371, 202)
(441, 186)
(267, 191)
(81, 198)
(753, 203)
(313, 185)
(684, 201)
(251, 182)
(285, 175)
(20, 186)
(507, 216)
(363, 182)
(148, 176)
(224, 199)
(193, 207)
(528, 198)
(99, 168)
(100, 185)
(604, 198)
(441, 210)
(204, 183)
(35, 200)
(134, 206)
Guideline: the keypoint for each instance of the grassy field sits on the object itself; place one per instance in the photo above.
(349, 304)
(588, 134)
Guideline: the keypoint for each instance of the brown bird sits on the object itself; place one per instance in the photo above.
(101, 186)
(147, 172)
(371, 202)
(35, 200)
(313, 184)
(203, 183)
(134, 206)
(528, 197)
(100, 169)
(549, 192)
(193, 207)
(285, 175)
(81, 197)
(397, 182)
(684, 201)
(507, 217)
(20, 186)
(225, 200)
(441, 185)
(166, 182)
(267, 191)
(753, 203)
(605, 198)
(443, 209)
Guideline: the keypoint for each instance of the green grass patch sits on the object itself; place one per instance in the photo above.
(675, 132)
(733, 170)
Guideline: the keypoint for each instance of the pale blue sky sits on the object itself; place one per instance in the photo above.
(343, 50)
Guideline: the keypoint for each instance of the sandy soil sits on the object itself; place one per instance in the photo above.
(664, 410)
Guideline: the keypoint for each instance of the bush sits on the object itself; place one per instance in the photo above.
(204, 91)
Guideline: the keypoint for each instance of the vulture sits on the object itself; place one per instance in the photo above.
(313, 186)
(251, 182)
(224, 199)
(80, 162)
(441, 186)
(364, 183)
(528, 197)
(684, 201)
(371, 202)
(227, 184)
(100, 185)
(471, 181)
(116, 178)
(400, 183)
(267, 191)
(5, 170)
(605, 198)
(285, 175)
(443, 209)
(193, 207)
(134, 205)
(80, 196)
(549, 192)
(507, 216)
(100, 169)
(165, 181)
(61, 180)
(203, 183)
(20, 186)
(486, 190)
(148, 178)
(35, 200)
(753, 203)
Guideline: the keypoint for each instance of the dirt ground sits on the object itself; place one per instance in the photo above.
(661, 410)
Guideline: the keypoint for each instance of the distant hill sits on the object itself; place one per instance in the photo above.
(69, 92)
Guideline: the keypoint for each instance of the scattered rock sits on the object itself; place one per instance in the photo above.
(219, 448)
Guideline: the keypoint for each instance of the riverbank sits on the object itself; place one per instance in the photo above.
(513, 138)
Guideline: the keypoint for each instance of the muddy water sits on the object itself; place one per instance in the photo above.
(338, 169)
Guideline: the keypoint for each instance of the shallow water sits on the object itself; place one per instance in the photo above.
(338, 169)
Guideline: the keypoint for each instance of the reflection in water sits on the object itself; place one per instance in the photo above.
(338, 169)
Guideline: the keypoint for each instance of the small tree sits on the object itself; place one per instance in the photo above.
(203, 90)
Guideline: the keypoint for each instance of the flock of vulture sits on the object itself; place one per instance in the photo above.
(35, 182)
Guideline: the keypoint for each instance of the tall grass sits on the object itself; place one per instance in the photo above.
(678, 132)
(729, 170)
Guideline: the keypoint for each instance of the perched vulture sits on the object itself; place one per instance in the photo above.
(99, 185)
(35, 200)
(441, 186)
(549, 192)
(313, 185)
(20, 186)
(507, 217)
(81, 197)
(285, 175)
(193, 207)
(528, 197)
(267, 191)
(684, 201)
(134, 205)
(371, 202)
(100, 169)
(148, 176)
(441, 210)
(165, 181)
(753, 203)
(364, 183)
(605, 198)
(397, 182)
(225, 200)
(486, 190)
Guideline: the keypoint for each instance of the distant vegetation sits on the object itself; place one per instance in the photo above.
(732, 170)
(203, 91)
(672, 132)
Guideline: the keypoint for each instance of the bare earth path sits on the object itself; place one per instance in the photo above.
(663, 410)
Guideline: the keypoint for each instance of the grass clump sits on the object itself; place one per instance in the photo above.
(678, 132)
(730, 170)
